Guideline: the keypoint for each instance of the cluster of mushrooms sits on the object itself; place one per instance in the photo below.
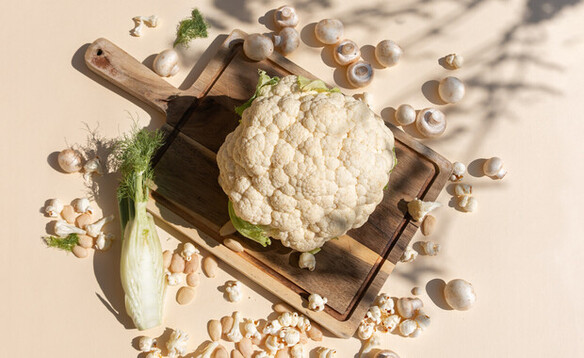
(347, 53)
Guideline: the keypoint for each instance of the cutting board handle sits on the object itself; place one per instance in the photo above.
(118, 67)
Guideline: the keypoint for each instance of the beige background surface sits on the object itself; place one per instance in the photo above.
(522, 250)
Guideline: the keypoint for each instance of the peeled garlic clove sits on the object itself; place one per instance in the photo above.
(54, 208)
(80, 252)
(405, 115)
(454, 61)
(233, 245)
(227, 229)
(214, 329)
(185, 295)
(346, 52)
(431, 122)
(388, 53)
(329, 31)
(428, 225)
(70, 160)
(451, 89)
(69, 214)
(210, 266)
(166, 63)
(459, 294)
(83, 220)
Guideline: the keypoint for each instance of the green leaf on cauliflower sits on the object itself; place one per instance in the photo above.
(264, 80)
(306, 84)
(253, 232)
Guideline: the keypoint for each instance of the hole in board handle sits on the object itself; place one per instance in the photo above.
(99, 52)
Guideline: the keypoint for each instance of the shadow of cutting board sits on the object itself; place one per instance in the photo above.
(351, 270)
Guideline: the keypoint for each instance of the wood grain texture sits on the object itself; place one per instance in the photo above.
(350, 271)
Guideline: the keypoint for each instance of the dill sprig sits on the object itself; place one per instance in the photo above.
(134, 152)
(191, 28)
(62, 243)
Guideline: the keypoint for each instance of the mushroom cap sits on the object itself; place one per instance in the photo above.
(459, 294)
(451, 89)
(329, 31)
(287, 40)
(388, 53)
(492, 166)
(166, 63)
(346, 52)
(257, 47)
(405, 114)
(359, 74)
(431, 122)
(454, 60)
(285, 16)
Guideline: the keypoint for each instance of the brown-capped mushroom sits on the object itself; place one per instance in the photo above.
(346, 52)
(360, 74)
(285, 16)
(257, 47)
(431, 122)
(388, 53)
(287, 40)
(329, 31)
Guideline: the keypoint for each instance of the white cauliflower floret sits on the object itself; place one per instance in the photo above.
(307, 165)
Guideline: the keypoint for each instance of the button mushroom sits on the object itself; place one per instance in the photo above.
(459, 294)
(451, 89)
(329, 31)
(285, 16)
(431, 122)
(287, 40)
(346, 52)
(454, 61)
(360, 74)
(257, 47)
(405, 115)
(493, 167)
(166, 63)
(388, 53)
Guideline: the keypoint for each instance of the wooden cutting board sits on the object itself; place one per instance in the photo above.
(351, 270)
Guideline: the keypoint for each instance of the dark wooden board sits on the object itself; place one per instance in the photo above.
(351, 270)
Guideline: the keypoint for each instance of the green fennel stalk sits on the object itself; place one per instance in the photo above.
(141, 266)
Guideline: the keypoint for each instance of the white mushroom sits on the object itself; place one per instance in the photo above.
(177, 344)
(233, 290)
(405, 115)
(188, 251)
(307, 261)
(234, 334)
(285, 16)
(257, 47)
(388, 53)
(458, 170)
(431, 122)
(451, 89)
(459, 294)
(94, 229)
(418, 208)
(287, 40)
(346, 52)
(359, 74)
(54, 208)
(92, 166)
(138, 26)
(408, 256)
(81, 205)
(430, 248)
(493, 167)
(64, 229)
(70, 160)
(329, 31)
(316, 302)
(166, 63)
(454, 61)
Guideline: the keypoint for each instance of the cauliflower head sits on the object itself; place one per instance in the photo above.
(305, 165)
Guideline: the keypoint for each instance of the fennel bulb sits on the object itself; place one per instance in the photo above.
(141, 266)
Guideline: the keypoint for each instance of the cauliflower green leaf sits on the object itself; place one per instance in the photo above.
(264, 80)
(253, 232)
(306, 84)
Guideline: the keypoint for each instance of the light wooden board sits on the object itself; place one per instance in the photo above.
(351, 270)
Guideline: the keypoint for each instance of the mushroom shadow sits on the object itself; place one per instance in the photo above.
(475, 168)
(307, 36)
(435, 290)
(327, 56)
(53, 161)
(268, 20)
(368, 54)
(340, 77)
(388, 115)
(430, 91)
